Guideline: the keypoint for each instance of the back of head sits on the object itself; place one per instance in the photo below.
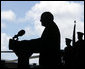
(80, 35)
(46, 18)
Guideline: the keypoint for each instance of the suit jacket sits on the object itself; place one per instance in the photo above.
(50, 48)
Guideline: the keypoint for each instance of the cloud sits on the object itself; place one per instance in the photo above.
(8, 15)
(31, 32)
(58, 8)
(64, 12)
(4, 41)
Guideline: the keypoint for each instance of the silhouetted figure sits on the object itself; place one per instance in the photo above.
(48, 45)
(68, 53)
(79, 51)
(50, 49)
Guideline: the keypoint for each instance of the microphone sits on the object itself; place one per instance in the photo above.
(20, 33)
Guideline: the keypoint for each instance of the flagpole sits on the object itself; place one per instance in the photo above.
(74, 31)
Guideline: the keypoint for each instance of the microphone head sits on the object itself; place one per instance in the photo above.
(21, 33)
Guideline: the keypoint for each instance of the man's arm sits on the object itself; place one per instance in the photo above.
(33, 44)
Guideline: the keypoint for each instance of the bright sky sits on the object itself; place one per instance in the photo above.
(17, 15)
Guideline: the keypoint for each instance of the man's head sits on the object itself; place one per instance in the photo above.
(46, 18)
(68, 41)
(80, 35)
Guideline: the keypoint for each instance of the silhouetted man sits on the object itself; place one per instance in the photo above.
(68, 53)
(48, 45)
(79, 51)
(80, 40)
(50, 49)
